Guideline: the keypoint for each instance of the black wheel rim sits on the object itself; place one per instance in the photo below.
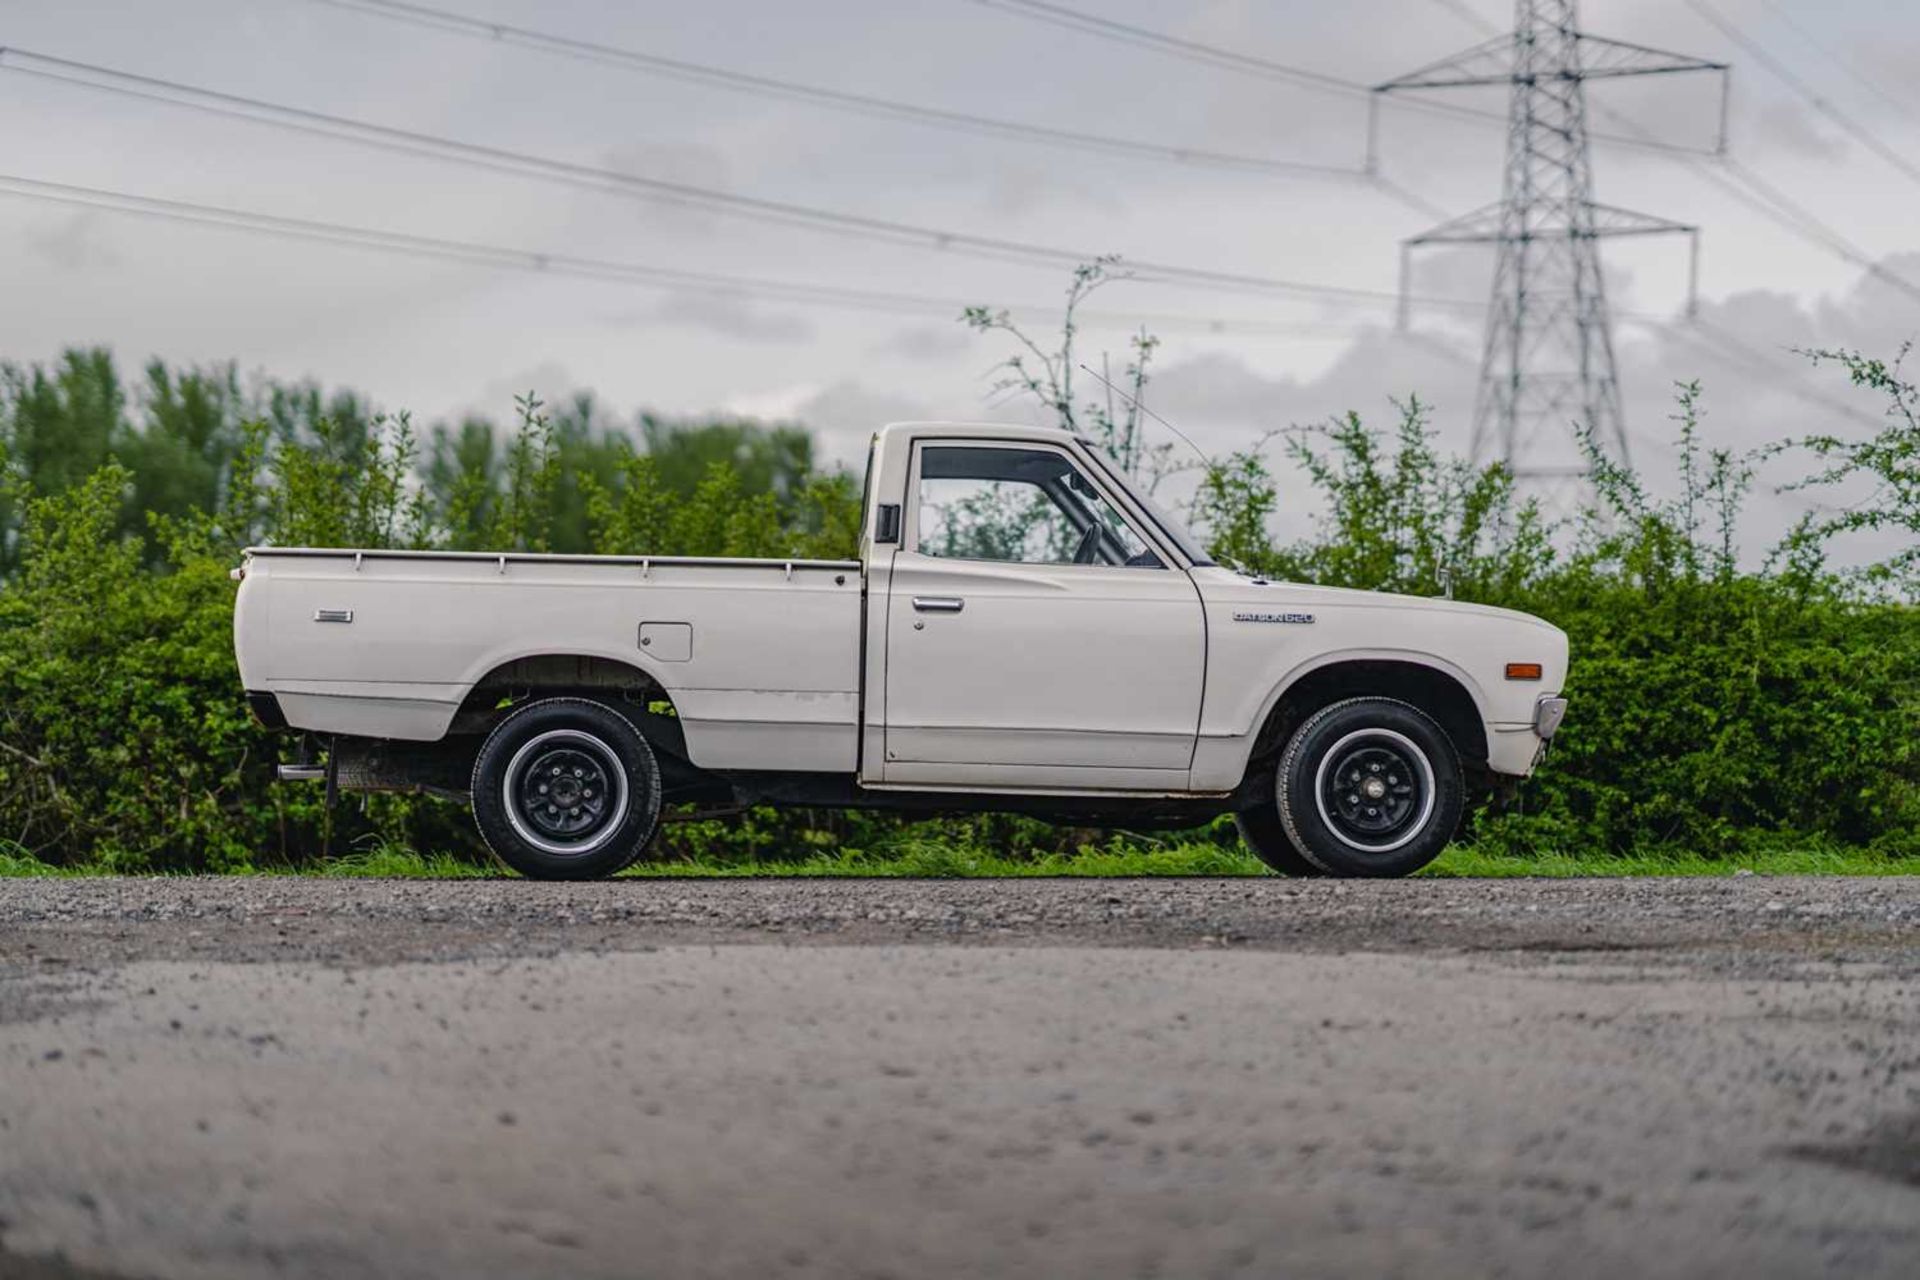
(1375, 790)
(565, 792)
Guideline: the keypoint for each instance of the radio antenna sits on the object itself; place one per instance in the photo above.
(1141, 406)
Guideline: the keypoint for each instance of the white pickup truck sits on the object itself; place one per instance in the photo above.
(1025, 630)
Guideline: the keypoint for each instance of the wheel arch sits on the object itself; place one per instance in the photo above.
(618, 681)
(570, 669)
(1443, 693)
(443, 765)
(551, 673)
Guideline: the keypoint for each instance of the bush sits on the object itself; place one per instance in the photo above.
(120, 739)
(124, 741)
(1716, 710)
(1711, 708)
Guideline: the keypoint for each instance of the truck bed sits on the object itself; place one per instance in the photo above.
(759, 657)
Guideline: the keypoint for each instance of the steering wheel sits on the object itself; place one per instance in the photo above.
(1089, 545)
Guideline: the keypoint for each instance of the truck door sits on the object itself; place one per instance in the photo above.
(1034, 636)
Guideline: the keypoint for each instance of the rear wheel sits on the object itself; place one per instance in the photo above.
(566, 789)
(1369, 787)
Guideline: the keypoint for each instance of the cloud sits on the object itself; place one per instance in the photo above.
(1787, 126)
(1015, 189)
(432, 335)
(689, 164)
(1231, 403)
(1876, 311)
(549, 380)
(74, 243)
(1465, 273)
(844, 415)
(927, 342)
(724, 313)
(1742, 349)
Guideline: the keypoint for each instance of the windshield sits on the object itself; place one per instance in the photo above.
(1169, 524)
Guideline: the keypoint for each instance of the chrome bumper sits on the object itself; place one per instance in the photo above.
(1548, 712)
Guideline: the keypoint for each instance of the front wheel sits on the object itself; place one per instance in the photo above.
(1263, 833)
(566, 789)
(1370, 787)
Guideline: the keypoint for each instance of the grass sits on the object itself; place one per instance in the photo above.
(1466, 861)
(930, 860)
(18, 864)
(933, 859)
(923, 858)
(917, 857)
(395, 862)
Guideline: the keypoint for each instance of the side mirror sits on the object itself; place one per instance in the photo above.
(886, 525)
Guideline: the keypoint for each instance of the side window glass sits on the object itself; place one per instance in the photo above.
(1020, 506)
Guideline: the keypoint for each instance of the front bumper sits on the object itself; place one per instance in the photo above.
(1548, 712)
(1516, 747)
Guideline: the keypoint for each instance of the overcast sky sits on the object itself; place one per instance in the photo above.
(443, 338)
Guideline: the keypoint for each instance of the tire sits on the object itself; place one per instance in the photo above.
(566, 789)
(1370, 787)
(1263, 833)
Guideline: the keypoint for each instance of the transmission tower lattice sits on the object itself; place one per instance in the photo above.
(1548, 360)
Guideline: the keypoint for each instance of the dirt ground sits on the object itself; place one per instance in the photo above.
(266, 1077)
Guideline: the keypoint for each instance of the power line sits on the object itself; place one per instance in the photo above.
(1060, 15)
(1740, 182)
(1461, 10)
(836, 99)
(1859, 132)
(1821, 232)
(607, 181)
(1731, 348)
(474, 253)
(1704, 336)
(1714, 341)
(1548, 353)
(668, 279)
(1265, 68)
(1746, 186)
(1846, 65)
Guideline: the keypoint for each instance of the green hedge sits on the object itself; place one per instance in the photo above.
(1716, 710)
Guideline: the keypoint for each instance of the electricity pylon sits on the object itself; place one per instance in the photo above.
(1547, 362)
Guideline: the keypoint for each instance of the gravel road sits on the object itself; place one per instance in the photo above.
(1172, 1078)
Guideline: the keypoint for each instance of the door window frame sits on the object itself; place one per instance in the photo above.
(1146, 532)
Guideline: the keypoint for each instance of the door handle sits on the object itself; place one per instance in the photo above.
(939, 604)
